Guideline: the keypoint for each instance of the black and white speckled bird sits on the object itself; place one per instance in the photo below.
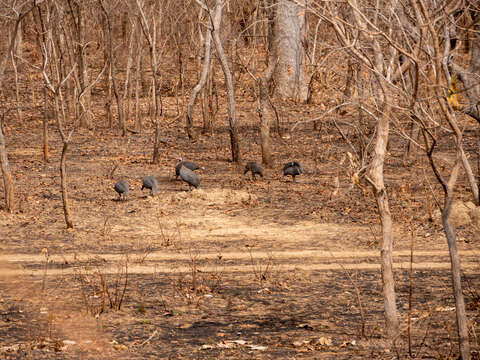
(189, 177)
(254, 168)
(149, 182)
(188, 164)
(122, 188)
(293, 168)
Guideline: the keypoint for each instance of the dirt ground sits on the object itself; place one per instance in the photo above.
(237, 269)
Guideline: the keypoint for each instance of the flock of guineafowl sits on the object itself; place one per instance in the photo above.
(186, 171)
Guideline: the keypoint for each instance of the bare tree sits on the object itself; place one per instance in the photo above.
(151, 36)
(109, 34)
(207, 44)
(7, 175)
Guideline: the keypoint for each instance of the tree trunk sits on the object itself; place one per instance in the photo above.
(121, 120)
(7, 175)
(199, 86)
(290, 72)
(46, 154)
(381, 198)
(265, 111)
(232, 117)
(63, 181)
(462, 324)
(469, 78)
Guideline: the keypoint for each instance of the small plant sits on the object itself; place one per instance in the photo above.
(101, 291)
(261, 267)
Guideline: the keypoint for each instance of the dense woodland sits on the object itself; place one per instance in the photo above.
(377, 102)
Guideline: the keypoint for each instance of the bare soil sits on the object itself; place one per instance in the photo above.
(237, 269)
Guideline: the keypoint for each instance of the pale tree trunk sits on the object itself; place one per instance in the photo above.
(77, 10)
(109, 34)
(265, 111)
(290, 70)
(471, 79)
(127, 85)
(380, 63)
(46, 153)
(7, 175)
(201, 83)
(216, 19)
(381, 197)
(138, 118)
(449, 115)
(151, 37)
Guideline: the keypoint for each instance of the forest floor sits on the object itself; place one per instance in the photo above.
(237, 269)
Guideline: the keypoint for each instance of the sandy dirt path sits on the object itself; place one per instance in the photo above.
(246, 261)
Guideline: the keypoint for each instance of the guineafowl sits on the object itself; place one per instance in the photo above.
(189, 177)
(149, 182)
(122, 188)
(254, 168)
(188, 164)
(293, 168)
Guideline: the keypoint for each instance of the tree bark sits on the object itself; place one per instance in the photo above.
(265, 112)
(462, 327)
(290, 72)
(232, 117)
(7, 175)
(200, 84)
(63, 181)
(109, 26)
(381, 198)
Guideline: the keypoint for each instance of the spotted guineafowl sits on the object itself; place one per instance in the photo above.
(293, 168)
(254, 168)
(122, 188)
(149, 182)
(189, 177)
(188, 164)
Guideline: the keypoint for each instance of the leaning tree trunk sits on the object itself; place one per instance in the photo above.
(200, 84)
(290, 72)
(232, 117)
(63, 182)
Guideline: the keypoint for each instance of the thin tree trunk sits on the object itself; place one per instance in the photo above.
(464, 344)
(265, 112)
(138, 119)
(121, 120)
(46, 154)
(63, 181)
(7, 175)
(199, 86)
(381, 198)
(232, 117)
